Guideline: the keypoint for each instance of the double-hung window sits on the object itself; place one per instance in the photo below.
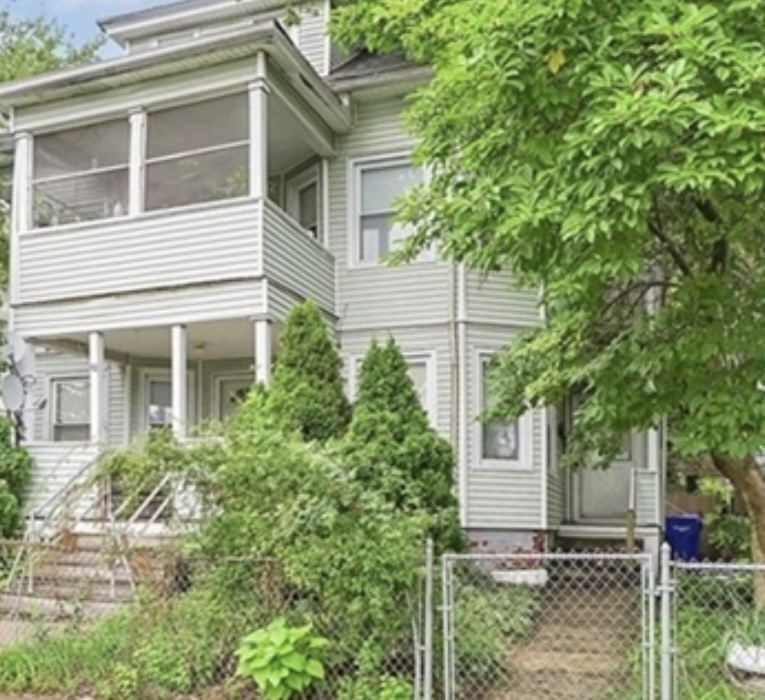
(81, 174)
(70, 409)
(379, 184)
(303, 200)
(198, 152)
(503, 442)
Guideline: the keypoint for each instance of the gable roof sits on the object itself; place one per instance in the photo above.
(365, 70)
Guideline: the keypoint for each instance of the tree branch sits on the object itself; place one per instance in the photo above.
(674, 252)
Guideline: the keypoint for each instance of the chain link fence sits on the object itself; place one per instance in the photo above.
(718, 628)
(120, 622)
(534, 627)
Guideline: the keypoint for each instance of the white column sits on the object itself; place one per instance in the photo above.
(179, 374)
(97, 352)
(263, 349)
(22, 205)
(259, 91)
(137, 187)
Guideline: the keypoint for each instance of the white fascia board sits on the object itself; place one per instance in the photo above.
(267, 36)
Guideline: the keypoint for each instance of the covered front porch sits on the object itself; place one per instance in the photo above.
(98, 391)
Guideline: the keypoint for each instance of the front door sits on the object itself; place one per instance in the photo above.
(603, 495)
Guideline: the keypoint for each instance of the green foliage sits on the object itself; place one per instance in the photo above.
(728, 532)
(392, 447)
(377, 688)
(306, 393)
(283, 661)
(281, 498)
(610, 156)
(15, 472)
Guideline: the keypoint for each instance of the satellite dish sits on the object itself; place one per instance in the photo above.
(26, 365)
(15, 346)
(13, 393)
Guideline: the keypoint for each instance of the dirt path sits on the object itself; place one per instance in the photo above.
(579, 651)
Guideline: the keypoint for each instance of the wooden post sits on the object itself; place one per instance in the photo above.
(97, 351)
(259, 92)
(263, 349)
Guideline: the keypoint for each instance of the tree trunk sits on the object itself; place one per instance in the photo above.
(747, 479)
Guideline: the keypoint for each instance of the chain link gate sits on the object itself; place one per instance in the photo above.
(543, 626)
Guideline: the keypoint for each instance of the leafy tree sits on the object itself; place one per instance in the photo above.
(306, 393)
(610, 154)
(392, 446)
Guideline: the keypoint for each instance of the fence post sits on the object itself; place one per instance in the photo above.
(665, 622)
(427, 688)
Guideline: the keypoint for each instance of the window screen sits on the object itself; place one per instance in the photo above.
(160, 403)
(198, 153)
(81, 174)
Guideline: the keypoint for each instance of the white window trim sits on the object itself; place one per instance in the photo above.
(50, 417)
(355, 167)
(431, 378)
(525, 460)
(147, 374)
(294, 186)
(218, 379)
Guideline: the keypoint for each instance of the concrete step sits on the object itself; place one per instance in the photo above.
(97, 571)
(83, 590)
(37, 606)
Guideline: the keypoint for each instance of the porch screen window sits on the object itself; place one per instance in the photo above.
(381, 184)
(71, 409)
(81, 174)
(198, 153)
(308, 205)
(500, 438)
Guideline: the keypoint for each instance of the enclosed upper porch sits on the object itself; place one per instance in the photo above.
(215, 174)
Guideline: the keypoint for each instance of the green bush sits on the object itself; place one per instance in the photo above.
(392, 447)
(283, 661)
(306, 394)
(15, 472)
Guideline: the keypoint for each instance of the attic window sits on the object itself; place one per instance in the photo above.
(198, 153)
(81, 174)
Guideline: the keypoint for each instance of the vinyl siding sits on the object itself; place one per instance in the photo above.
(556, 478)
(156, 250)
(372, 296)
(212, 302)
(495, 299)
(499, 497)
(312, 34)
(295, 261)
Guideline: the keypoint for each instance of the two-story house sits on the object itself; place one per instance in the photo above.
(171, 204)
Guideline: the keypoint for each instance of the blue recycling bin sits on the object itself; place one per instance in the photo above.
(683, 532)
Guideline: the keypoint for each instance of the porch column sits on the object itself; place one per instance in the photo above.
(21, 219)
(178, 380)
(259, 92)
(137, 188)
(97, 352)
(263, 347)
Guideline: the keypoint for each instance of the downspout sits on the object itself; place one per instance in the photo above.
(544, 514)
(462, 360)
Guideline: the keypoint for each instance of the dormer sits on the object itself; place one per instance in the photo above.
(306, 22)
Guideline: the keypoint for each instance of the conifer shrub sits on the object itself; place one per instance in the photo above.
(306, 393)
(392, 447)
